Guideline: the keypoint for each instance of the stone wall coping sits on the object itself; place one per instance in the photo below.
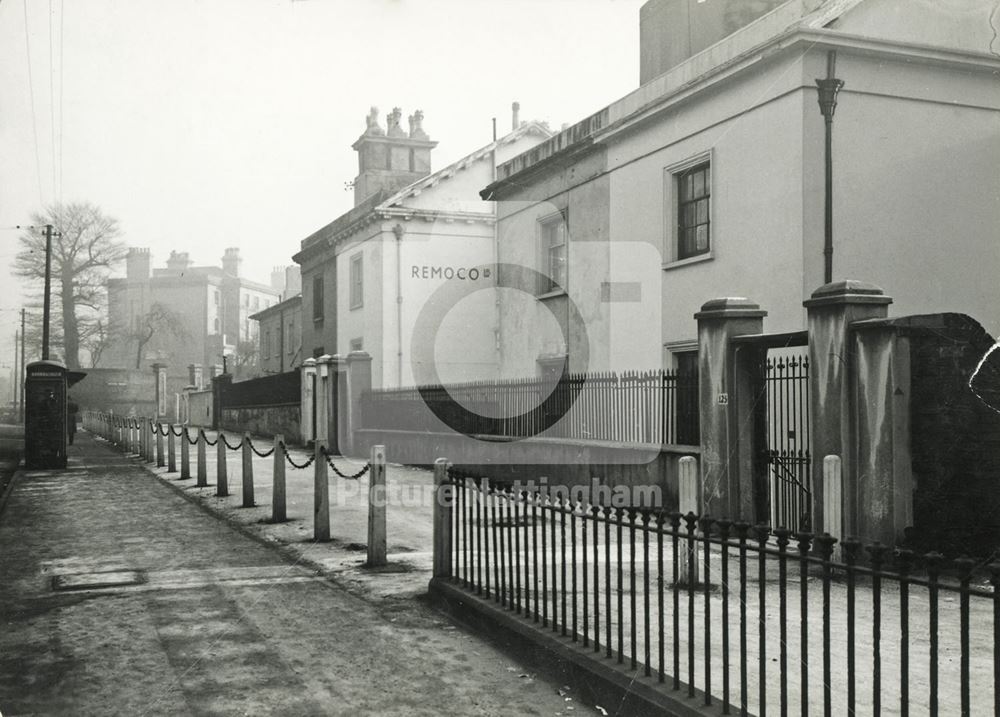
(917, 323)
(665, 448)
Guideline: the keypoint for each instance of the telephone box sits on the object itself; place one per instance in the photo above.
(45, 415)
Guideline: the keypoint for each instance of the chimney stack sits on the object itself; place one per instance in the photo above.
(137, 263)
(515, 110)
(293, 281)
(391, 158)
(178, 262)
(278, 279)
(231, 261)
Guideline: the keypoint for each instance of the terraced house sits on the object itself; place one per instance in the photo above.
(368, 275)
(715, 168)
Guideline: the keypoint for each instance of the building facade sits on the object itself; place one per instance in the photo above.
(713, 170)
(279, 333)
(374, 274)
(182, 314)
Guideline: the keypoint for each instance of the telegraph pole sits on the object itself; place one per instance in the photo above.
(45, 300)
(14, 378)
(20, 377)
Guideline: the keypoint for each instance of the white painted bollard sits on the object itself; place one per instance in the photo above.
(160, 460)
(185, 454)
(443, 498)
(376, 508)
(278, 513)
(202, 461)
(171, 449)
(150, 447)
(321, 493)
(689, 501)
(247, 476)
(221, 468)
(833, 497)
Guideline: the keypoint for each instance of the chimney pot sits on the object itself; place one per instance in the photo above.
(231, 261)
(515, 109)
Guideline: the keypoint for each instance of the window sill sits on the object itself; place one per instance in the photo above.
(708, 256)
(317, 319)
(355, 307)
(551, 294)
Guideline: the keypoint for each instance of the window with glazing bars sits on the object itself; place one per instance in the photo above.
(693, 211)
(554, 246)
(357, 281)
(317, 298)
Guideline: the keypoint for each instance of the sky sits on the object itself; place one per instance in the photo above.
(205, 124)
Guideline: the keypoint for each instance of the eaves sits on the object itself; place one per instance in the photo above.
(562, 159)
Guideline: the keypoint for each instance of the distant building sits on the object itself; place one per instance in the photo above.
(208, 311)
(279, 338)
(368, 275)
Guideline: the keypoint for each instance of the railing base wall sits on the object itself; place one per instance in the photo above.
(564, 462)
(595, 680)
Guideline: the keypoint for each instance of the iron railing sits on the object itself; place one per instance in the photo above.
(749, 618)
(653, 407)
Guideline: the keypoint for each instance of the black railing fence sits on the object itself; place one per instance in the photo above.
(751, 619)
(655, 407)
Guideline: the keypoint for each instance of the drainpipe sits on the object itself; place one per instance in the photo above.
(281, 341)
(828, 90)
(497, 335)
(398, 231)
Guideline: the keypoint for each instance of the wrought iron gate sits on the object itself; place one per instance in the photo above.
(785, 412)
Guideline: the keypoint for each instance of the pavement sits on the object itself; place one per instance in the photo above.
(119, 594)
(410, 500)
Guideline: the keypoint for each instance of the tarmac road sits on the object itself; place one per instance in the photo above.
(117, 596)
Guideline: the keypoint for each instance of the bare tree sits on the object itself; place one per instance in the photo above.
(84, 251)
(96, 340)
(244, 360)
(160, 319)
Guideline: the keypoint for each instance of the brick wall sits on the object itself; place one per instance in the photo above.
(265, 421)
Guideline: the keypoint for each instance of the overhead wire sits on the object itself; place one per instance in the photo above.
(52, 104)
(31, 95)
(62, 106)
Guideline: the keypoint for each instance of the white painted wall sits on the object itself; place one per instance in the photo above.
(916, 186)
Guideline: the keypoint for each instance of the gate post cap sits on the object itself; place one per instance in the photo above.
(847, 291)
(730, 307)
(358, 356)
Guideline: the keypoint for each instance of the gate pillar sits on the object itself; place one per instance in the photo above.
(308, 400)
(727, 374)
(832, 397)
(359, 382)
